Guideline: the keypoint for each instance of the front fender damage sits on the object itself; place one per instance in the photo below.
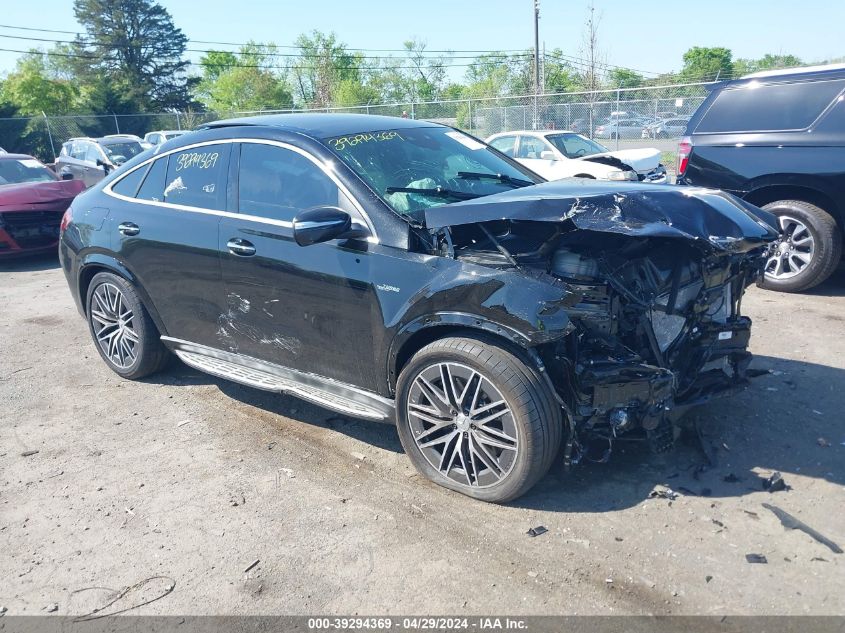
(653, 278)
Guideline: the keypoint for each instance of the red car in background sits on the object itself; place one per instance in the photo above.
(32, 202)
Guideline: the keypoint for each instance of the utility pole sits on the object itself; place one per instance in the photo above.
(536, 61)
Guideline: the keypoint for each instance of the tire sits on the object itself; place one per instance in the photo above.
(123, 332)
(478, 464)
(802, 219)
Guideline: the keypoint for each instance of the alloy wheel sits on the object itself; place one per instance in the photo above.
(462, 424)
(793, 252)
(112, 321)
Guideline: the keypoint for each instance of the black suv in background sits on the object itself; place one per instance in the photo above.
(777, 140)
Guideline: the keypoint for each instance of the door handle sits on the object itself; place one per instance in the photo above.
(128, 228)
(238, 246)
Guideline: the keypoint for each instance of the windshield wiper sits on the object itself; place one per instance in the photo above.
(503, 178)
(437, 192)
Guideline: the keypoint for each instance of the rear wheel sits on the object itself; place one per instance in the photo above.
(474, 418)
(123, 332)
(808, 250)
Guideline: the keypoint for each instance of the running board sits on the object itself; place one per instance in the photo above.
(252, 372)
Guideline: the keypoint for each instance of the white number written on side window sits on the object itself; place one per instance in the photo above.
(198, 160)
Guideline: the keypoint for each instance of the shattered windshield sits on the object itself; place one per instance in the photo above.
(418, 168)
(575, 145)
(24, 170)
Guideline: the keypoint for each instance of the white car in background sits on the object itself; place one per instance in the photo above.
(555, 154)
(160, 136)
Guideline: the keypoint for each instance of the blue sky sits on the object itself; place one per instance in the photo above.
(648, 36)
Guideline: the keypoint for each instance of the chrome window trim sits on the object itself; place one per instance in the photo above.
(326, 169)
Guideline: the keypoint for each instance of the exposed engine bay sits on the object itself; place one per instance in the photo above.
(656, 325)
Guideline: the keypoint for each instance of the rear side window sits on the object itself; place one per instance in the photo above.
(773, 107)
(277, 183)
(504, 144)
(153, 187)
(196, 177)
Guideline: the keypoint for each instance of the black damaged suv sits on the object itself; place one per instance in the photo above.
(405, 272)
(777, 139)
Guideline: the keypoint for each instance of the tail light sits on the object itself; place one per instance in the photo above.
(684, 151)
(66, 219)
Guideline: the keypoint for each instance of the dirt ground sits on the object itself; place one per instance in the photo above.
(173, 486)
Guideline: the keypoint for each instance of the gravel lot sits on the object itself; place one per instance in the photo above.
(173, 486)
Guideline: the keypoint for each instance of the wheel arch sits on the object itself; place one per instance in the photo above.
(767, 193)
(424, 330)
(100, 263)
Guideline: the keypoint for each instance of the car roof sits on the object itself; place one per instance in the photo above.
(534, 132)
(324, 125)
(117, 138)
(167, 132)
(790, 72)
(16, 156)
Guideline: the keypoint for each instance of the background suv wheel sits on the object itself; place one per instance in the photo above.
(123, 332)
(474, 418)
(808, 251)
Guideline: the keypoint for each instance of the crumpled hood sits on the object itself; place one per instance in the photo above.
(705, 215)
(641, 160)
(28, 193)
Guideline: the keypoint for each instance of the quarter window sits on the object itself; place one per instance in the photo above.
(277, 183)
(774, 107)
(128, 185)
(196, 177)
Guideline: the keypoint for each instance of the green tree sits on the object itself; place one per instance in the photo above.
(31, 88)
(246, 81)
(136, 45)
(323, 63)
(766, 62)
(706, 64)
(624, 78)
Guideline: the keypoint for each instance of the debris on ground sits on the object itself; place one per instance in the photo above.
(822, 442)
(289, 472)
(270, 446)
(775, 483)
(358, 456)
(101, 612)
(756, 558)
(51, 608)
(753, 515)
(730, 478)
(708, 578)
(717, 522)
(237, 500)
(252, 565)
(3, 611)
(28, 453)
(537, 531)
(663, 492)
(791, 523)
(183, 423)
(814, 558)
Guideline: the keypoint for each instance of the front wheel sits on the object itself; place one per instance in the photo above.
(123, 332)
(474, 418)
(809, 248)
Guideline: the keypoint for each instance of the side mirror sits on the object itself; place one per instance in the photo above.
(322, 224)
(547, 155)
(66, 175)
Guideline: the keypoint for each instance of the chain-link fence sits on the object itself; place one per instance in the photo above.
(617, 118)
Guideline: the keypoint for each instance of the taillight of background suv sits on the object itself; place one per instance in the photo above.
(684, 150)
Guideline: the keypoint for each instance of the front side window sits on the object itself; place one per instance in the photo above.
(196, 177)
(14, 171)
(78, 150)
(530, 147)
(92, 153)
(278, 183)
(575, 145)
(413, 169)
(756, 107)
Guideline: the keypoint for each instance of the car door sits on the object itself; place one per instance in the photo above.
(529, 152)
(93, 169)
(310, 308)
(165, 231)
(75, 160)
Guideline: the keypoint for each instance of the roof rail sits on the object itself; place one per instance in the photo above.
(794, 71)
